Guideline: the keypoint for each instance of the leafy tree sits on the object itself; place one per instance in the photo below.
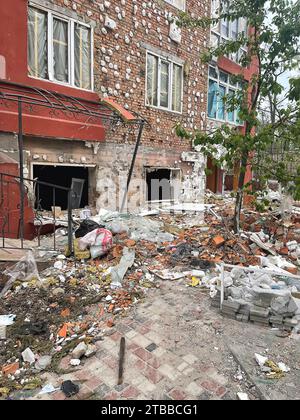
(272, 43)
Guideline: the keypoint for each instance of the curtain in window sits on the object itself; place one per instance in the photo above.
(164, 84)
(37, 43)
(60, 50)
(212, 99)
(221, 106)
(152, 80)
(82, 39)
(177, 88)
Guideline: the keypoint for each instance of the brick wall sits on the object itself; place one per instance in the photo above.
(120, 71)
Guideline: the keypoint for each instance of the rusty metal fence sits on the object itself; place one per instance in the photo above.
(21, 212)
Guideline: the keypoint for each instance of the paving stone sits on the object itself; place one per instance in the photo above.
(168, 371)
(193, 389)
(131, 334)
(190, 359)
(120, 388)
(177, 394)
(153, 375)
(130, 392)
(209, 385)
(182, 366)
(151, 347)
(102, 391)
(141, 340)
(205, 396)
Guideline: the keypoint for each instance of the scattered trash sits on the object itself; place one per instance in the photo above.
(69, 388)
(28, 356)
(48, 389)
(24, 271)
(6, 320)
(118, 272)
(242, 396)
(99, 241)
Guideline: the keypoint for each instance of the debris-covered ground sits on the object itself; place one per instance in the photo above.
(153, 284)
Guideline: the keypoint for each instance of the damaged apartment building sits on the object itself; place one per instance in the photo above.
(120, 57)
(130, 53)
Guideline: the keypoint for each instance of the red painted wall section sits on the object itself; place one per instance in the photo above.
(13, 68)
(10, 208)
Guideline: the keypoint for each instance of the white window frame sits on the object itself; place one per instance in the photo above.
(170, 90)
(71, 45)
(218, 33)
(228, 86)
(173, 3)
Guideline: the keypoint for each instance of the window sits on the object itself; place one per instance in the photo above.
(59, 49)
(164, 83)
(221, 85)
(179, 4)
(227, 30)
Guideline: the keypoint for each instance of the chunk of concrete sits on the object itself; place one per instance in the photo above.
(79, 350)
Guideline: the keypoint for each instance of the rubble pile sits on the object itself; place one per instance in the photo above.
(261, 298)
(65, 309)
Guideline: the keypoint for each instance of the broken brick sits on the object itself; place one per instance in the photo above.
(10, 369)
(218, 241)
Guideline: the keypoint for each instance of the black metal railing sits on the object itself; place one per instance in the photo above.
(14, 195)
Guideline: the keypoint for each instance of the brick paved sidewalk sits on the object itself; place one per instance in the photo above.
(173, 352)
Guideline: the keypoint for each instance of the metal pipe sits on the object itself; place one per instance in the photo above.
(137, 144)
(21, 157)
(70, 224)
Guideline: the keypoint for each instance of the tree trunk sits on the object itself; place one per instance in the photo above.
(240, 193)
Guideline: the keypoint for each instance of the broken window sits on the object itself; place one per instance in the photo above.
(37, 43)
(65, 176)
(164, 83)
(162, 184)
(59, 49)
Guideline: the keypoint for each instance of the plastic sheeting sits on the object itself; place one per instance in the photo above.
(25, 270)
(37, 43)
(138, 228)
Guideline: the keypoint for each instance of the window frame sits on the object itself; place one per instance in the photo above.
(228, 87)
(71, 48)
(171, 2)
(171, 63)
(218, 33)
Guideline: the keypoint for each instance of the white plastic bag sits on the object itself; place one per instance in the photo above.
(24, 270)
(99, 241)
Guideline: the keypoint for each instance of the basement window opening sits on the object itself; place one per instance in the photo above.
(161, 184)
(62, 176)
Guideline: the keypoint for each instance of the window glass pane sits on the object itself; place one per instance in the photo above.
(223, 77)
(152, 80)
(221, 107)
(177, 88)
(230, 114)
(234, 30)
(37, 43)
(164, 84)
(212, 99)
(60, 50)
(214, 40)
(82, 40)
(225, 28)
(213, 72)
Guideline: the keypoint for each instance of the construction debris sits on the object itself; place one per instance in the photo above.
(75, 302)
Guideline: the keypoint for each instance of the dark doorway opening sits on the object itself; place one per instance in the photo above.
(62, 176)
(158, 184)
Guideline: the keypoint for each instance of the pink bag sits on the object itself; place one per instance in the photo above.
(99, 241)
